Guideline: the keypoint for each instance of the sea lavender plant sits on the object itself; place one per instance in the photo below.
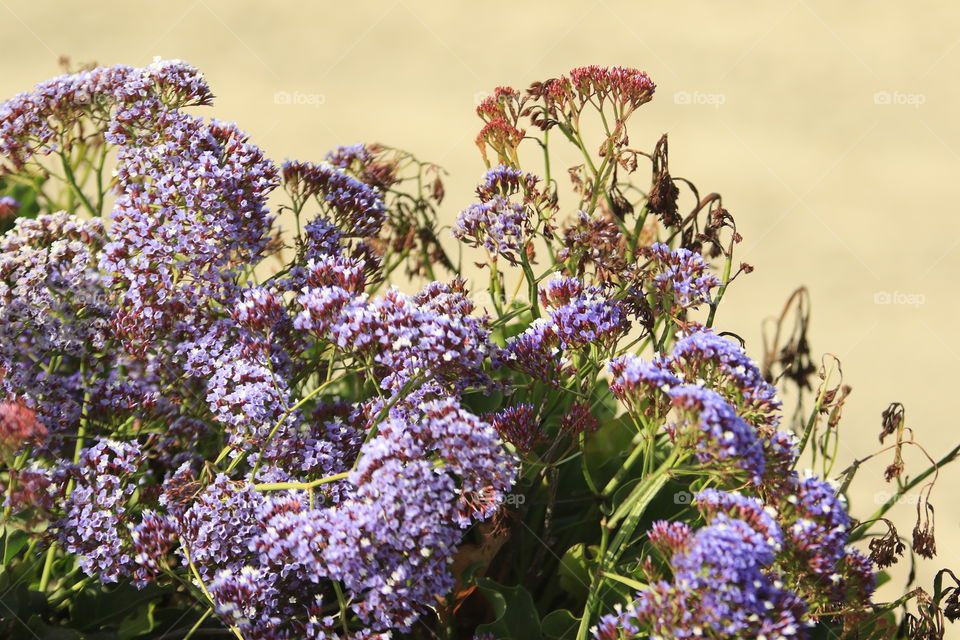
(227, 426)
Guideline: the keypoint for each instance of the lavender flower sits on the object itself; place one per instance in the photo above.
(536, 353)
(95, 511)
(357, 208)
(723, 580)
(711, 428)
(703, 355)
(581, 316)
(243, 597)
(219, 526)
(679, 278)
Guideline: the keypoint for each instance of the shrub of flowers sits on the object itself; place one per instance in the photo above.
(360, 424)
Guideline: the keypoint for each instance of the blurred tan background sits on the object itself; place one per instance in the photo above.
(829, 128)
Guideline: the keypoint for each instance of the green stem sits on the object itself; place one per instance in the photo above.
(47, 566)
(723, 288)
(72, 182)
(196, 625)
(280, 486)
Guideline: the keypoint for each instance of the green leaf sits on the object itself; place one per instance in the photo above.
(139, 622)
(92, 609)
(883, 578)
(630, 582)
(560, 625)
(574, 571)
(13, 542)
(516, 615)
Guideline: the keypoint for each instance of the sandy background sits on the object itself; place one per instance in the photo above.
(830, 129)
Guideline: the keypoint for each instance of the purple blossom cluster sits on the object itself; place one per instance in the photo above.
(723, 582)
(718, 387)
(703, 355)
(356, 208)
(268, 559)
(679, 279)
(710, 427)
(508, 215)
(579, 316)
(406, 338)
(724, 412)
(190, 214)
(94, 526)
(295, 448)
(52, 303)
(107, 98)
(816, 526)
(518, 425)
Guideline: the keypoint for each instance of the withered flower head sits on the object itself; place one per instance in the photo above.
(887, 549)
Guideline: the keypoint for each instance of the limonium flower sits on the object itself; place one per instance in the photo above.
(519, 426)
(52, 301)
(680, 278)
(710, 427)
(703, 355)
(508, 215)
(35, 122)
(816, 526)
(356, 208)
(177, 238)
(723, 582)
(94, 525)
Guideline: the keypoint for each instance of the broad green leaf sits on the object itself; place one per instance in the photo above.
(560, 625)
(516, 615)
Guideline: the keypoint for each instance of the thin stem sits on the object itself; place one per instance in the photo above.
(196, 625)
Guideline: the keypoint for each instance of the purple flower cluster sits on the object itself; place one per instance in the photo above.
(191, 212)
(505, 220)
(587, 318)
(730, 416)
(356, 208)
(722, 390)
(94, 525)
(710, 427)
(518, 425)
(679, 279)
(723, 580)
(405, 337)
(35, 123)
(816, 526)
(703, 355)
(643, 386)
(51, 302)
(579, 317)
(268, 559)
